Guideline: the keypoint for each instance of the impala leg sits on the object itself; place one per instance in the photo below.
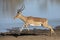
(22, 28)
(51, 29)
(27, 27)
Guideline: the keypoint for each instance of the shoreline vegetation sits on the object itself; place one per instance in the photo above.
(16, 32)
(35, 34)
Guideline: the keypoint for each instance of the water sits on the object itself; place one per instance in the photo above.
(49, 9)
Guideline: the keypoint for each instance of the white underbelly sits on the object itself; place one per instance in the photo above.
(35, 25)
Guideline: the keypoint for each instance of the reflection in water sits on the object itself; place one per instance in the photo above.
(49, 9)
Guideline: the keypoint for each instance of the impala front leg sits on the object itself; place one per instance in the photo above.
(22, 27)
(27, 26)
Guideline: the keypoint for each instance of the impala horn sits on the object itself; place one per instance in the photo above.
(21, 9)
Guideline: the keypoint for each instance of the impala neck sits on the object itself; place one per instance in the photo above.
(23, 18)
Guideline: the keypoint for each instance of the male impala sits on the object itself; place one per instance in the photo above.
(33, 21)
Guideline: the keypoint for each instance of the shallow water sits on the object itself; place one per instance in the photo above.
(3, 27)
(49, 9)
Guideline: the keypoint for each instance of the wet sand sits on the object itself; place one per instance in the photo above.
(30, 38)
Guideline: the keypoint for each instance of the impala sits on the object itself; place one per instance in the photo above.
(33, 21)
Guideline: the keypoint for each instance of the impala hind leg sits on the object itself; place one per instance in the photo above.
(45, 24)
(51, 29)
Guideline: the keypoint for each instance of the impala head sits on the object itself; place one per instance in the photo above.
(19, 13)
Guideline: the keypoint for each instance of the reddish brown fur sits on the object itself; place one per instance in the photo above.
(34, 21)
